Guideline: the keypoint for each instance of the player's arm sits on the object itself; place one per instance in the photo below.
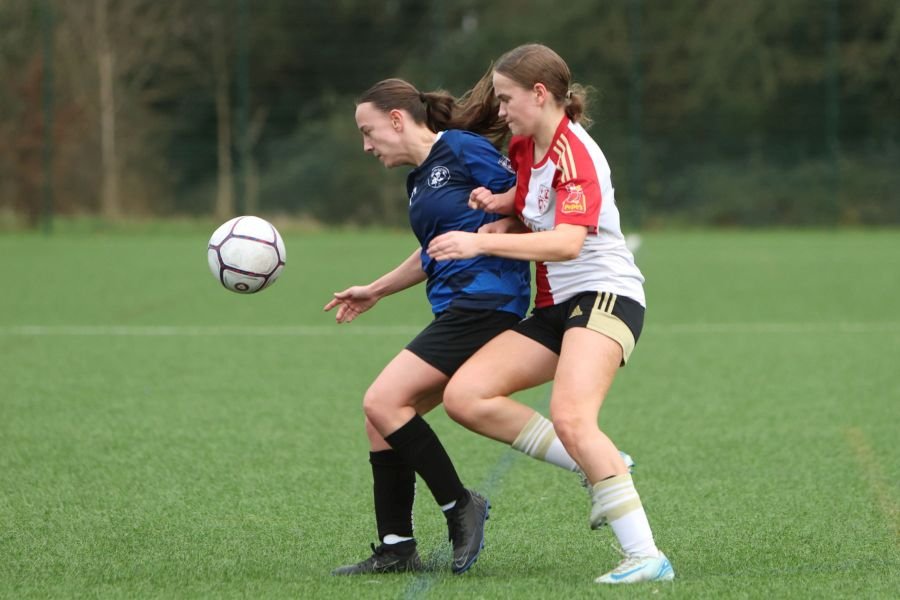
(505, 225)
(484, 199)
(356, 300)
(562, 243)
(405, 275)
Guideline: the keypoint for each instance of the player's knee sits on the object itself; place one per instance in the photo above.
(460, 402)
(375, 405)
(569, 428)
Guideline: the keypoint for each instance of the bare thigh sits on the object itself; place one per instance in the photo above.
(588, 364)
(406, 386)
(477, 395)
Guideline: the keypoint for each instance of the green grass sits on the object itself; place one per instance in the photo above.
(200, 451)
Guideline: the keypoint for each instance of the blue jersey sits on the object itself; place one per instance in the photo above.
(438, 192)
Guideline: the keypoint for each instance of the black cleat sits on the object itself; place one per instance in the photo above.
(386, 558)
(466, 525)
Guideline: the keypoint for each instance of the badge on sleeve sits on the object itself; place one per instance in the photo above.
(574, 202)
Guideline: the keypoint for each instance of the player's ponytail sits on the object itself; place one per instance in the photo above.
(576, 102)
(439, 107)
(435, 109)
(478, 111)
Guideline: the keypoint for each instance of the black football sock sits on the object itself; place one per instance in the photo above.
(394, 486)
(417, 443)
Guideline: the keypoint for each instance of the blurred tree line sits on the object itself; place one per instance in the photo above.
(710, 111)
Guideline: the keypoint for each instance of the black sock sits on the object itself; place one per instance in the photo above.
(394, 486)
(417, 443)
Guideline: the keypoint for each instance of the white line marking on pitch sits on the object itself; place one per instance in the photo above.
(376, 330)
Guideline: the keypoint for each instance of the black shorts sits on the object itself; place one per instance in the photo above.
(617, 317)
(456, 334)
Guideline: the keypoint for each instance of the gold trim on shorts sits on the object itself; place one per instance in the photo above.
(603, 321)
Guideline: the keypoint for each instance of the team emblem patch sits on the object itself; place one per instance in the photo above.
(506, 164)
(543, 199)
(439, 177)
(575, 202)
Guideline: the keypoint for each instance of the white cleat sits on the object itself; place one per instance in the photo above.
(636, 569)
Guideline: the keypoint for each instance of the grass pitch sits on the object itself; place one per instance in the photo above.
(161, 437)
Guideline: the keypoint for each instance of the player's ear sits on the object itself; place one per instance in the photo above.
(396, 117)
(540, 93)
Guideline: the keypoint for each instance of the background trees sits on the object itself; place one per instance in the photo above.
(710, 111)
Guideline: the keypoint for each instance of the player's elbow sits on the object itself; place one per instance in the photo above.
(568, 243)
(565, 249)
(569, 252)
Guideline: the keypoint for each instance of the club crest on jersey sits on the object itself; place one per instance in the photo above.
(439, 177)
(543, 198)
(575, 202)
(506, 164)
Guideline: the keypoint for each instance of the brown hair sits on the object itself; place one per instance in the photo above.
(475, 111)
(535, 63)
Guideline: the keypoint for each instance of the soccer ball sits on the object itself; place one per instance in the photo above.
(246, 254)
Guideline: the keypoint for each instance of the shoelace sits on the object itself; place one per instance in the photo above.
(627, 562)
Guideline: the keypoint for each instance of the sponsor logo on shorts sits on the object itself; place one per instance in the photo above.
(575, 202)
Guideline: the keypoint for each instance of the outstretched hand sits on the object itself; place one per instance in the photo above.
(351, 303)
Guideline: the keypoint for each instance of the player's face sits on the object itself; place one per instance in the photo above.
(518, 105)
(381, 137)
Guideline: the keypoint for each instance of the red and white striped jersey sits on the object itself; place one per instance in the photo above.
(572, 184)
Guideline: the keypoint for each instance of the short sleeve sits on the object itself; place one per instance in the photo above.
(578, 202)
(486, 165)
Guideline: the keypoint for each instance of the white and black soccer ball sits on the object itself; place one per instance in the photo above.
(246, 254)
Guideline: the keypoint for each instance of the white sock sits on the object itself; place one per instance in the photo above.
(394, 539)
(446, 507)
(620, 503)
(538, 439)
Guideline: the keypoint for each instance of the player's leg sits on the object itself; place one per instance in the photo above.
(478, 394)
(576, 399)
(415, 442)
(589, 361)
(394, 488)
